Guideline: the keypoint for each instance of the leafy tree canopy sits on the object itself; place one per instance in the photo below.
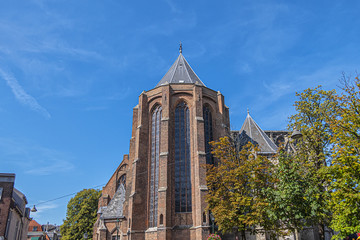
(314, 108)
(80, 215)
(236, 187)
(317, 185)
(292, 199)
(345, 169)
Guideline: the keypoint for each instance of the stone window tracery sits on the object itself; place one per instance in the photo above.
(122, 180)
(183, 201)
(154, 165)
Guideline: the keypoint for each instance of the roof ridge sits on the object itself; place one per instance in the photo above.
(185, 66)
(255, 134)
(180, 72)
(266, 138)
(176, 62)
(249, 127)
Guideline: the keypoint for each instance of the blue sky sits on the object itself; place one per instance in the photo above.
(71, 72)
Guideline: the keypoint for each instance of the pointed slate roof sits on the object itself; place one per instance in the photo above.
(180, 72)
(250, 131)
(115, 207)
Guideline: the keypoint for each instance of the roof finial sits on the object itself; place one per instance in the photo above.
(180, 48)
(248, 112)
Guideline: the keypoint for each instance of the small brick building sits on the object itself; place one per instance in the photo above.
(158, 191)
(14, 215)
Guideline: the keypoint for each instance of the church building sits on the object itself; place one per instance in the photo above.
(158, 191)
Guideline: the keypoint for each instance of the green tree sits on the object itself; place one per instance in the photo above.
(314, 108)
(236, 186)
(80, 215)
(345, 168)
(291, 199)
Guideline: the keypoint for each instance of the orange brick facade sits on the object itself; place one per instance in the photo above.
(134, 222)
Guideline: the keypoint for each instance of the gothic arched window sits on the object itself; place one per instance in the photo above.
(154, 165)
(122, 180)
(182, 159)
(208, 134)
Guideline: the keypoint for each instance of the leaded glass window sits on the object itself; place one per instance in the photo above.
(182, 159)
(122, 180)
(208, 134)
(154, 165)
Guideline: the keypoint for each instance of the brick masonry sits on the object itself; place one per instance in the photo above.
(135, 225)
(7, 185)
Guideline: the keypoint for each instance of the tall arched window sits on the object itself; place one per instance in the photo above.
(208, 134)
(182, 159)
(154, 165)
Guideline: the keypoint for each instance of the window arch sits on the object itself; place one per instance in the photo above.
(116, 234)
(122, 180)
(208, 134)
(123, 167)
(182, 159)
(154, 164)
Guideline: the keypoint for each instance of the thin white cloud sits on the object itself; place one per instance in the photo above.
(34, 159)
(23, 97)
(44, 57)
(41, 209)
(173, 7)
(243, 67)
(167, 28)
(61, 47)
(96, 108)
(277, 89)
(55, 166)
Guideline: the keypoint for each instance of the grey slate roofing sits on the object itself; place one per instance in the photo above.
(20, 200)
(115, 207)
(250, 131)
(180, 72)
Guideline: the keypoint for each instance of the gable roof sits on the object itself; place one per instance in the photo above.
(115, 206)
(33, 224)
(250, 131)
(180, 72)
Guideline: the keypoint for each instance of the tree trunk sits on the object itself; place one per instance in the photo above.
(321, 228)
(243, 235)
(296, 234)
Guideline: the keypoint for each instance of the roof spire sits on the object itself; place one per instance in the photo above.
(180, 72)
(248, 112)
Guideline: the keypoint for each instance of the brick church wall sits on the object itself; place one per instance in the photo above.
(136, 208)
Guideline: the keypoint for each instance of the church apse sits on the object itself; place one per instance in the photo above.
(165, 189)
